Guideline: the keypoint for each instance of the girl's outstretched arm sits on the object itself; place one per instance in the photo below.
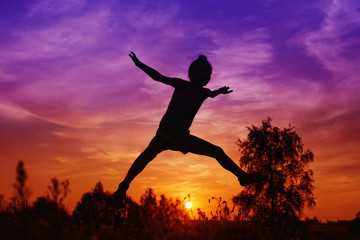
(223, 90)
(153, 73)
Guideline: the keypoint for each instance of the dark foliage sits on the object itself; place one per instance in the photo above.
(58, 191)
(44, 220)
(22, 192)
(279, 155)
(153, 218)
(222, 211)
(93, 209)
(355, 226)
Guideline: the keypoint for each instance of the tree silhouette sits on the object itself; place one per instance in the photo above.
(2, 202)
(58, 191)
(92, 209)
(355, 226)
(148, 202)
(171, 211)
(49, 218)
(164, 210)
(22, 192)
(279, 155)
(159, 217)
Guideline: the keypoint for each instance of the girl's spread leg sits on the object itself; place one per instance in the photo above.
(156, 146)
(202, 147)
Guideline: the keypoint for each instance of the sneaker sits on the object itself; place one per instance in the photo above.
(117, 199)
(251, 178)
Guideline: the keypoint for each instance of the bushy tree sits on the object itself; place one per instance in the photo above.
(48, 218)
(165, 210)
(93, 208)
(160, 218)
(171, 211)
(148, 202)
(279, 155)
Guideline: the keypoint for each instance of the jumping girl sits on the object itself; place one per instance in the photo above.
(173, 132)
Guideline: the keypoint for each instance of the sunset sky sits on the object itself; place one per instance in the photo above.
(74, 106)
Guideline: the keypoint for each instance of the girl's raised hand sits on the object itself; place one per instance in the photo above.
(225, 90)
(134, 58)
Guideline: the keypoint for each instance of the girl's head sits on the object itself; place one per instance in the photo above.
(200, 71)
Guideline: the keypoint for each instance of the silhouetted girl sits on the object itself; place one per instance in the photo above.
(173, 132)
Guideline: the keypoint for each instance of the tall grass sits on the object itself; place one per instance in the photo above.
(152, 218)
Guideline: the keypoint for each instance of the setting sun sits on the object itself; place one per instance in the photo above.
(188, 204)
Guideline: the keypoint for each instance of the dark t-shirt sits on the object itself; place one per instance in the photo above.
(184, 104)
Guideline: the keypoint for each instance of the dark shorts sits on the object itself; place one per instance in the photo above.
(174, 140)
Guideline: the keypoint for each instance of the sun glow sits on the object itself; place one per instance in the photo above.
(188, 204)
